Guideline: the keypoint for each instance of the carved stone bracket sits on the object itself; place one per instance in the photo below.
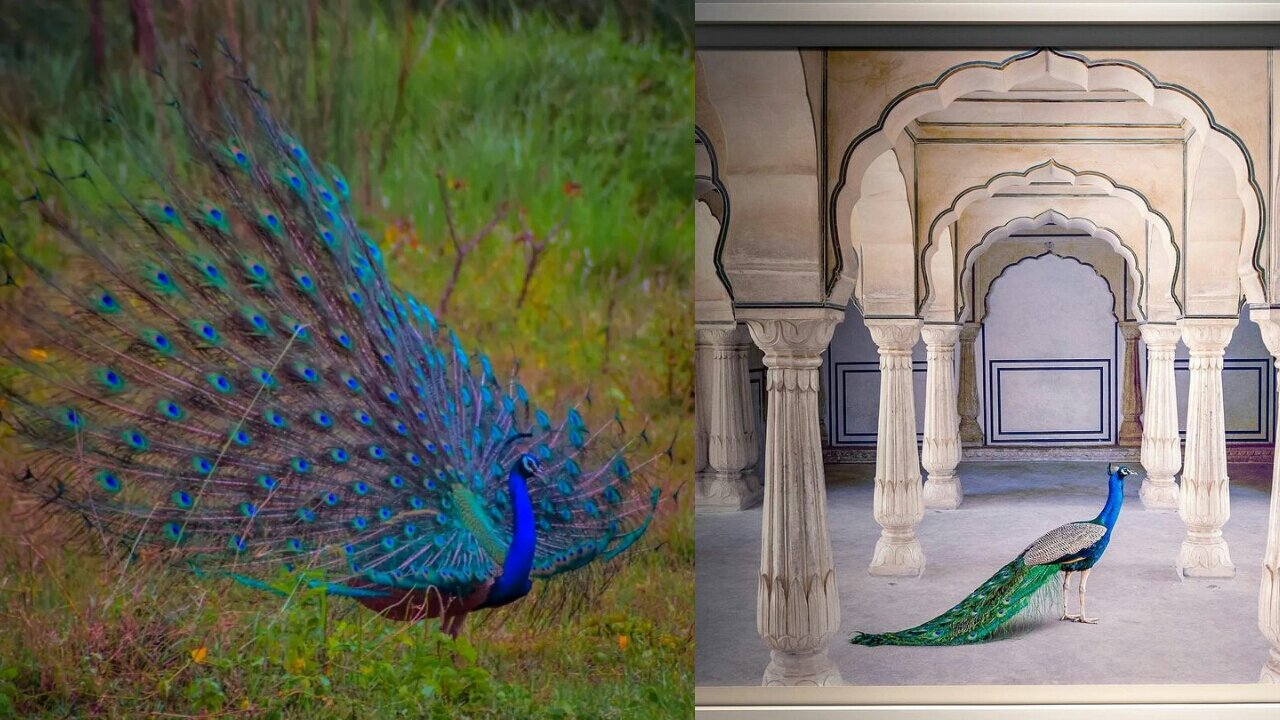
(1205, 501)
(899, 505)
(798, 608)
(1161, 446)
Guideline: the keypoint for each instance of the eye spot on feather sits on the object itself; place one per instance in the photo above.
(173, 531)
(385, 514)
(306, 515)
(267, 482)
(414, 459)
(201, 465)
(395, 481)
(363, 418)
(331, 499)
(377, 453)
(416, 503)
(293, 544)
(108, 481)
(241, 438)
(360, 488)
(388, 543)
(359, 523)
(401, 428)
(338, 455)
(219, 382)
(135, 439)
(410, 530)
(170, 409)
(248, 509)
(237, 543)
(300, 465)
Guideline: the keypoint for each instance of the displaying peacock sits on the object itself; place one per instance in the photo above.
(1018, 589)
(221, 370)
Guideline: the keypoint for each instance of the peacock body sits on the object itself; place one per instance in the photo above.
(223, 371)
(1024, 587)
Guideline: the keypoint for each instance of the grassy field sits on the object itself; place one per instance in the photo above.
(581, 134)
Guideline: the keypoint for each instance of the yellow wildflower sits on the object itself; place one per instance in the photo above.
(200, 654)
(622, 642)
(38, 354)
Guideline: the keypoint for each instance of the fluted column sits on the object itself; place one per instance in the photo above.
(1204, 502)
(726, 482)
(1269, 594)
(1161, 446)
(940, 453)
(970, 430)
(797, 609)
(1130, 433)
(897, 496)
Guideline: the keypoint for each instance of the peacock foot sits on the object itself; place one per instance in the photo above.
(1086, 620)
(1073, 618)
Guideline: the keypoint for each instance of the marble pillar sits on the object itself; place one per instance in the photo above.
(897, 496)
(1269, 594)
(727, 480)
(970, 430)
(798, 610)
(1130, 434)
(1161, 446)
(1204, 502)
(940, 453)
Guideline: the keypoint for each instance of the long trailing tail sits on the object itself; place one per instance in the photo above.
(1016, 590)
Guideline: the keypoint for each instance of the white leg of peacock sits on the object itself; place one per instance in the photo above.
(224, 371)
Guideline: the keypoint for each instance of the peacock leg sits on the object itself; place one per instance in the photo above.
(1066, 585)
(1084, 618)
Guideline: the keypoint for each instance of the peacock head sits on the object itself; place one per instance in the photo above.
(1120, 471)
(528, 466)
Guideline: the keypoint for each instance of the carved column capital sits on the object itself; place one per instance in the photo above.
(1207, 336)
(940, 336)
(1129, 329)
(894, 335)
(793, 342)
(969, 332)
(1268, 322)
(1160, 336)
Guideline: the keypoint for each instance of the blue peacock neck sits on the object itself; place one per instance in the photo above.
(1115, 498)
(514, 583)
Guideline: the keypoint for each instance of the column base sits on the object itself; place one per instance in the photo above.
(1271, 670)
(1159, 494)
(792, 669)
(942, 493)
(897, 556)
(719, 492)
(1205, 558)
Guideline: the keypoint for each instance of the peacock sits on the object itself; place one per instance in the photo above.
(222, 371)
(1019, 588)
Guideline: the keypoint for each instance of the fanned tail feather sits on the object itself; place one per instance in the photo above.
(1015, 591)
(224, 370)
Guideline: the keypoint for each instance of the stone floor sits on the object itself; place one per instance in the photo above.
(1155, 628)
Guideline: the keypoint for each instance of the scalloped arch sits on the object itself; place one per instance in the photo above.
(1053, 217)
(1084, 73)
(1052, 170)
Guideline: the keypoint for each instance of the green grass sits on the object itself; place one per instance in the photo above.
(583, 131)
